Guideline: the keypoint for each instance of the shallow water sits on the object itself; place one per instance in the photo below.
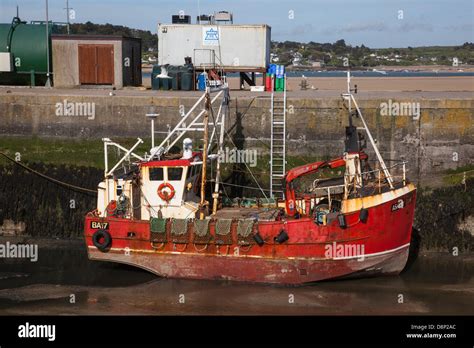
(64, 281)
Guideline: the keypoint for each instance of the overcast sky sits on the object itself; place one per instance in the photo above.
(375, 23)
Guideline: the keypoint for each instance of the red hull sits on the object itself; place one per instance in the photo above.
(384, 239)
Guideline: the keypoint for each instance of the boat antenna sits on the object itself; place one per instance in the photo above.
(352, 143)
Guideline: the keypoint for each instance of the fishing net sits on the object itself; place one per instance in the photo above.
(202, 234)
(179, 231)
(158, 225)
(244, 227)
(158, 230)
(223, 231)
(244, 231)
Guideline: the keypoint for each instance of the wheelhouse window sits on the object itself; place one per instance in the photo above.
(156, 174)
(175, 173)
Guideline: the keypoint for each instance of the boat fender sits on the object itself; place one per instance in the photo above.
(342, 221)
(363, 215)
(164, 195)
(102, 240)
(258, 239)
(282, 237)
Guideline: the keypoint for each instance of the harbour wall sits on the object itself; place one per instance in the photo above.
(441, 137)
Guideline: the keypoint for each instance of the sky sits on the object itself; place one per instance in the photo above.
(374, 23)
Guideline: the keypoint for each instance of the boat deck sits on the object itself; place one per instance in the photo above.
(260, 213)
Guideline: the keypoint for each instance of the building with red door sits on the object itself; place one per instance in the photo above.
(81, 60)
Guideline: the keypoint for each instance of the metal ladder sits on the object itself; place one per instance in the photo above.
(278, 143)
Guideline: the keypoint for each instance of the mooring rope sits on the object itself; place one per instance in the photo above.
(55, 181)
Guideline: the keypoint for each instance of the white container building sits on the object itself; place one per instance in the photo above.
(233, 48)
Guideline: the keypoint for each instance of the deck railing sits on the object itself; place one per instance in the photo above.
(344, 190)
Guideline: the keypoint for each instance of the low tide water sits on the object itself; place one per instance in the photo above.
(64, 281)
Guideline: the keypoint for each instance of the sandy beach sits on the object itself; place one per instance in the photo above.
(460, 87)
(426, 84)
(371, 84)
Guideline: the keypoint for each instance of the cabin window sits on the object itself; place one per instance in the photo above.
(156, 174)
(175, 174)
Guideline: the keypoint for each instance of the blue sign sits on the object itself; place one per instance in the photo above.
(210, 36)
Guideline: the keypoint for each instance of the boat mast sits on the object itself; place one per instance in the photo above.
(350, 97)
(207, 106)
(225, 104)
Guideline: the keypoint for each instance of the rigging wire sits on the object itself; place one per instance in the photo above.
(246, 165)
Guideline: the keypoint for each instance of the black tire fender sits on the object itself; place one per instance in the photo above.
(102, 240)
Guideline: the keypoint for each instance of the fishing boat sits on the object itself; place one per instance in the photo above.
(164, 212)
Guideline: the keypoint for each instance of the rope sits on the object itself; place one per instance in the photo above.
(180, 250)
(55, 181)
(159, 247)
(200, 250)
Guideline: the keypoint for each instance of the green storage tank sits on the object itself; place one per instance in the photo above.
(28, 46)
(174, 71)
(187, 77)
(155, 83)
(159, 83)
(165, 84)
